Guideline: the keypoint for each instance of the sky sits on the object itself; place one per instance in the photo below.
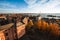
(29, 6)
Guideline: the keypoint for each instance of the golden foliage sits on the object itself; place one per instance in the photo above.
(30, 23)
(54, 28)
(38, 24)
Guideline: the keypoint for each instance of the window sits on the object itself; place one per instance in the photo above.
(6, 34)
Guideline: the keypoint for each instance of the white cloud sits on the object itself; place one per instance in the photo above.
(47, 7)
(6, 4)
(50, 6)
(8, 8)
(30, 2)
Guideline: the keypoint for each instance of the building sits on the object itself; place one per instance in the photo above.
(8, 32)
(5, 32)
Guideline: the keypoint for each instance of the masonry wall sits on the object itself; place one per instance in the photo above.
(20, 31)
(2, 37)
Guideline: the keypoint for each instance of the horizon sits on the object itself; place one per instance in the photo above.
(35, 14)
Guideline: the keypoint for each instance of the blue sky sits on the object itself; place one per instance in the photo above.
(17, 3)
(29, 6)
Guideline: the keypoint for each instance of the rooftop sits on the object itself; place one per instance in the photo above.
(5, 27)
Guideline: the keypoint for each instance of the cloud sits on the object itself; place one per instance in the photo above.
(6, 4)
(34, 6)
(30, 2)
(7, 7)
(44, 6)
